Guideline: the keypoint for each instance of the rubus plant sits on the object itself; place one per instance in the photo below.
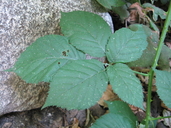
(78, 83)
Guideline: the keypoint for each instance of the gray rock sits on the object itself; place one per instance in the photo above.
(21, 23)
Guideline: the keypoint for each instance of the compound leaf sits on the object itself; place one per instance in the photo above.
(45, 57)
(163, 83)
(126, 48)
(88, 32)
(111, 120)
(78, 85)
(126, 84)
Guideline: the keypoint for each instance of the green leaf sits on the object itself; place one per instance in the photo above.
(126, 45)
(111, 120)
(148, 55)
(153, 26)
(144, 30)
(88, 32)
(152, 1)
(141, 125)
(152, 124)
(132, 1)
(156, 11)
(122, 108)
(164, 58)
(43, 58)
(125, 84)
(163, 84)
(111, 3)
(78, 85)
(122, 12)
(164, 1)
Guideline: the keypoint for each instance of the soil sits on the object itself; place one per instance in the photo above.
(52, 117)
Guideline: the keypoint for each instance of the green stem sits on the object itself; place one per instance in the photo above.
(148, 109)
(151, 73)
(139, 1)
(158, 118)
(163, 35)
(143, 74)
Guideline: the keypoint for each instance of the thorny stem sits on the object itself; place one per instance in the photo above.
(163, 35)
(148, 109)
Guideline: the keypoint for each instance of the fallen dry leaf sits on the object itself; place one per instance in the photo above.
(137, 15)
(108, 95)
(164, 106)
(167, 121)
(75, 123)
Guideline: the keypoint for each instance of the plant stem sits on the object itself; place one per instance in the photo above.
(139, 1)
(158, 118)
(151, 73)
(148, 109)
(143, 74)
(163, 35)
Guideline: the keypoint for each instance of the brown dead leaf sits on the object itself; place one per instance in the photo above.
(168, 44)
(164, 106)
(138, 112)
(133, 108)
(137, 15)
(167, 121)
(75, 123)
(108, 95)
(7, 125)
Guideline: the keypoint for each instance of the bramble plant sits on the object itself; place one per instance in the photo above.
(78, 83)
